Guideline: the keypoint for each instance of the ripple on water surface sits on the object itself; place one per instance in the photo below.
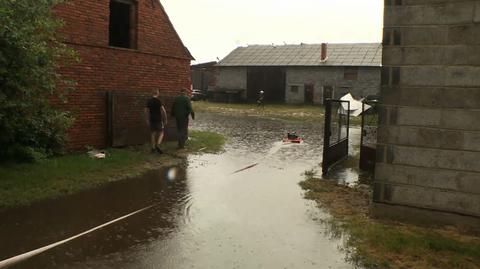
(205, 215)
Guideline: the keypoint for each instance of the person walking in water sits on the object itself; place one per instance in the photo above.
(260, 99)
(157, 120)
(181, 110)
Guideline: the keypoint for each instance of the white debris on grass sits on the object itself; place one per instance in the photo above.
(96, 154)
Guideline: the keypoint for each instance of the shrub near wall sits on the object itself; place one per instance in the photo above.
(30, 127)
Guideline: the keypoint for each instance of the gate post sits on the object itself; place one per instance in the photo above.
(326, 135)
(368, 138)
(337, 119)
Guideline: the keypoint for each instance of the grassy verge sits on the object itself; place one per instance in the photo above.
(306, 113)
(284, 112)
(374, 243)
(23, 184)
(205, 142)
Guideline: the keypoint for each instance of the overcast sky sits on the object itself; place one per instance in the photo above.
(213, 28)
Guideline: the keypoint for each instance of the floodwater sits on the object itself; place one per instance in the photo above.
(205, 217)
(347, 172)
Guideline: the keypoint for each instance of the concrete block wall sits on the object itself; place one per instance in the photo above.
(318, 77)
(298, 97)
(203, 77)
(159, 61)
(429, 132)
(367, 83)
(231, 78)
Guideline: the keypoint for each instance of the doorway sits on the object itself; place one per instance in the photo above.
(309, 93)
(271, 80)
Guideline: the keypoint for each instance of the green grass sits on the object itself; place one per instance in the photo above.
(410, 243)
(309, 113)
(23, 184)
(207, 142)
(306, 113)
(20, 184)
(373, 243)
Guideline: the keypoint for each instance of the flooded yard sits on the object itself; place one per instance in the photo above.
(242, 208)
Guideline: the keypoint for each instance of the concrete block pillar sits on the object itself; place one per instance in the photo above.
(428, 161)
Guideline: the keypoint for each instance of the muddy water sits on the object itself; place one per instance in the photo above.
(206, 217)
(348, 172)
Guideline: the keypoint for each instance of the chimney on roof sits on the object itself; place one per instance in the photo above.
(324, 52)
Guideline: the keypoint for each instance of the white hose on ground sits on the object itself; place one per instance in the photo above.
(19, 258)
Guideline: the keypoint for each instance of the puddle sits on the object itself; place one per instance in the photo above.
(347, 172)
(206, 216)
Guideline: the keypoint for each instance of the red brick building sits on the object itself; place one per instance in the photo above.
(126, 47)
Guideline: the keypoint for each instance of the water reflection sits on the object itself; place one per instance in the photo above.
(347, 172)
(206, 216)
(45, 223)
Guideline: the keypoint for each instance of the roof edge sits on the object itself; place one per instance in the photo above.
(286, 66)
(187, 51)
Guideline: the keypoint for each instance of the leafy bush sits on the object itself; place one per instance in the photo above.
(30, 53)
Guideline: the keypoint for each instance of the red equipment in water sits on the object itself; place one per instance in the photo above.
(292, 138)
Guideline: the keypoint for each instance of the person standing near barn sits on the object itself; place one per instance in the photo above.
(181, 110)
(157, 120)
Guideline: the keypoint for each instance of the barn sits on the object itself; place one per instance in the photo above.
(297, 74)
(127, 48)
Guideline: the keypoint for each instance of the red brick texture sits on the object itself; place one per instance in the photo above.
(125, 128)
(160, 62)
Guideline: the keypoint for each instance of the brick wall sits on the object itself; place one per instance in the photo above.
(429, 134)
(160, 61)
(127, 124)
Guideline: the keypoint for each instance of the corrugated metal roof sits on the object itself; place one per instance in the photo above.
(355, 54)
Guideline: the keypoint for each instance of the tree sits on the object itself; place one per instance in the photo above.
(30, 54)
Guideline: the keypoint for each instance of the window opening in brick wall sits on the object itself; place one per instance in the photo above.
(123, 23)
(294, 89)
(351, 73)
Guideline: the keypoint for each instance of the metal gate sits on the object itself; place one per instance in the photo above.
(336, 136)
(368, 141)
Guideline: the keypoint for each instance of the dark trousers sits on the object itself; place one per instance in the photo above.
(182, 131)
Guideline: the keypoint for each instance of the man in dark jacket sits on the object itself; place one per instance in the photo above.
(181, 109)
